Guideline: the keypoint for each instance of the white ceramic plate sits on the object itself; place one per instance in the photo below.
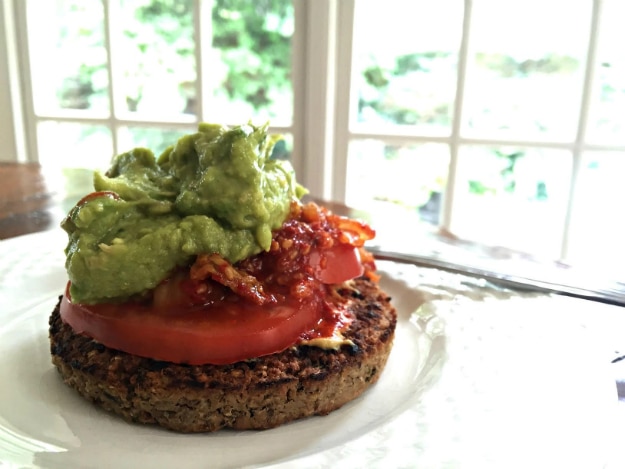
(478, 377)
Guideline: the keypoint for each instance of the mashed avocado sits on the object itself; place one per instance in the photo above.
(214, 191)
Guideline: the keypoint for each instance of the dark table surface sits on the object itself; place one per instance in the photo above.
(27, 204)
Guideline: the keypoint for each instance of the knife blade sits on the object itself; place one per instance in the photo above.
(536, 277)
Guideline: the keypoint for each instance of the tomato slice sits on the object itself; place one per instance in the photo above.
(336, 264)
(227, 333)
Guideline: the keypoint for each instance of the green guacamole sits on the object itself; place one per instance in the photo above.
(214, 191)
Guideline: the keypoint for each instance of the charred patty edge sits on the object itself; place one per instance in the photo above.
(261, 393)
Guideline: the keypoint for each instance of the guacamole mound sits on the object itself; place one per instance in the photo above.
(214, 191)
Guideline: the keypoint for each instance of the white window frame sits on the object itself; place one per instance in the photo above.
(345, 133)
(323, 99)
(313, 67)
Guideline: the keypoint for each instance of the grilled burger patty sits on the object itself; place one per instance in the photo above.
(254, 394)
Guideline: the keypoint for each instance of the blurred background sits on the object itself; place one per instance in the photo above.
(501, 122)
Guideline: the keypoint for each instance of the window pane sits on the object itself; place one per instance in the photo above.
(155, 139)
(155, 54)
(405, 57)
(607, 119)
(597, 229)
(397, 183)
(68, 55)
(283, 149)
(525, 68)
(249, 66)
(512, 197)
(74, 145)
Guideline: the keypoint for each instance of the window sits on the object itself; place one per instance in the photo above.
(110, 75)
(499, 121)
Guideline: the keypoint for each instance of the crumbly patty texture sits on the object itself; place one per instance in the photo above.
(254, 394)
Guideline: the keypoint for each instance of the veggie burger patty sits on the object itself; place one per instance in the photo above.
(258, 393)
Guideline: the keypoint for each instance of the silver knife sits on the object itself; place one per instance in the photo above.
(549, 278)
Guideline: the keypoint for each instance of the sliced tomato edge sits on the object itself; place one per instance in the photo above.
(129, 334)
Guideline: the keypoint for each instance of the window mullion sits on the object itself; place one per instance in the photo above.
(579, 146)
(454, 144)
(110, 44)
(317, 141)
(343, 98)
(298, 82)
(203, 26)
